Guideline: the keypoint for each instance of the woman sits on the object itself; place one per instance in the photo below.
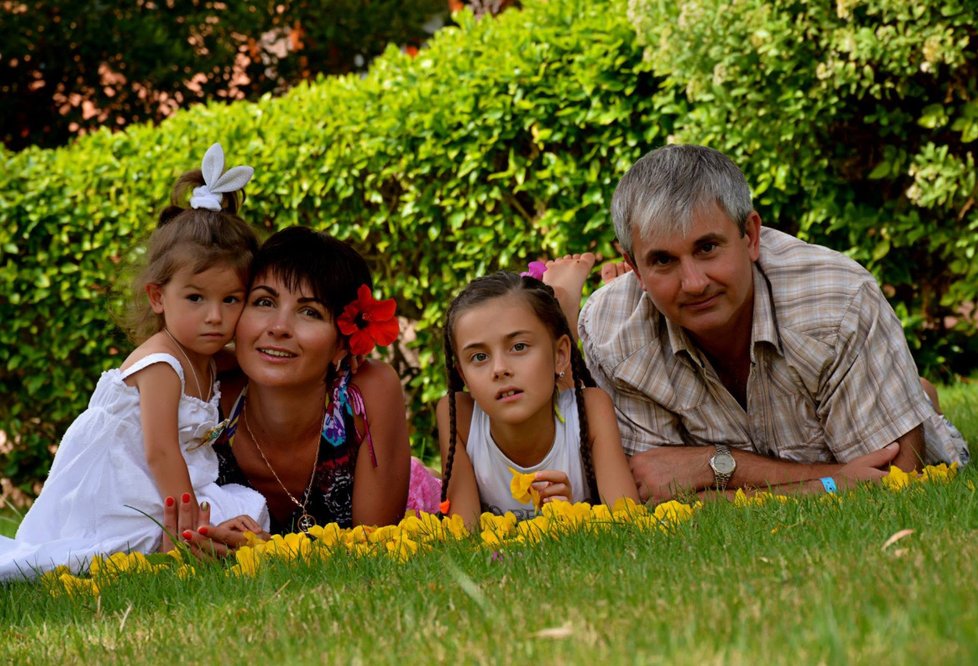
(321, 445)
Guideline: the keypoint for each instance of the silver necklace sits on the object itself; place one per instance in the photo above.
(306, 521)
(194, 372)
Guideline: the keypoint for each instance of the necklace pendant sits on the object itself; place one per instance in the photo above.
(306, 522)
(214, 433)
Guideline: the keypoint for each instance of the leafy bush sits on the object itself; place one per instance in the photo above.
(857, 125)
(505, 134)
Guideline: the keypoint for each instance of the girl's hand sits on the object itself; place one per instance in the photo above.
(206, 541)
(552, 484)
(180, 517)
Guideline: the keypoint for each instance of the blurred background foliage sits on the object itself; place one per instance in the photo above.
(69, 67)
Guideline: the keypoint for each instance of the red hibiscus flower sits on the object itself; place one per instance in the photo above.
(368, 322)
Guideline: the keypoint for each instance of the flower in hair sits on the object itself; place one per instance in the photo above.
(536, 269)
(368, 322)
(216, 182)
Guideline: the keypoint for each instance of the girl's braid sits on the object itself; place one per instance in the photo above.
(582, 378)
(454, 384)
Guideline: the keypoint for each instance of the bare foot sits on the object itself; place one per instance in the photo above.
(612, 270)
(567, 275)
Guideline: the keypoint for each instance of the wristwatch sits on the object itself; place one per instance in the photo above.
(723, 465)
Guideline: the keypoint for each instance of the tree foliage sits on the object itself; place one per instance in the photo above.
(69, 67)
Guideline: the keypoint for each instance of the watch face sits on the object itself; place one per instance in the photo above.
(723, 463)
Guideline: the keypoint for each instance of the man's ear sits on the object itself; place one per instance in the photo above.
(155, 294)
(752, 232)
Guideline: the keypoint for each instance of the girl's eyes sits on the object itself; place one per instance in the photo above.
(230, 300)
(195, 298)
(520, 346)
(479, 357)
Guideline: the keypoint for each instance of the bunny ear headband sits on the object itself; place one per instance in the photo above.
(211, 193)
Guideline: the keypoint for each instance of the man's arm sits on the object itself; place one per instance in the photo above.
(662, 473)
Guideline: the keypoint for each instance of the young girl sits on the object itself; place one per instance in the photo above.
(145, 437)
(507, 341)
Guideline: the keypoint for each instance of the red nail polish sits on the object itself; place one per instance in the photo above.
(185, 498)
(202, 530)
(169, 501)
(188, 535)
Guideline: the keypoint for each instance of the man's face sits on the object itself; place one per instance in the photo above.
(704, 281)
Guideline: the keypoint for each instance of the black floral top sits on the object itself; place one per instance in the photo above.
(331, 497)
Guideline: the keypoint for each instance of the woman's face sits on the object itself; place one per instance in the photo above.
(285, 338)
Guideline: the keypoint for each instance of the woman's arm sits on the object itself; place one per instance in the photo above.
(380, 492)
(463, 490)
(159, 404)
(610, 465)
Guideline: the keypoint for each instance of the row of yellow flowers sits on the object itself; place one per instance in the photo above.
(420, 532)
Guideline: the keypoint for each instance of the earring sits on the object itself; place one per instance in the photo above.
(561, 374)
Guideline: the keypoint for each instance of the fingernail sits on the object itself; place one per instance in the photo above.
(202, 530)
(169, 501)
(185, 498)
(204, 506)
(188, 535)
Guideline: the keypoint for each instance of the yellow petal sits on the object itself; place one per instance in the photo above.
(522, 488)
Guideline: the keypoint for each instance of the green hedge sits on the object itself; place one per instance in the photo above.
(503, 139)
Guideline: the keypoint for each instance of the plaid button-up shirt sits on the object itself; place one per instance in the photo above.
(831, 374)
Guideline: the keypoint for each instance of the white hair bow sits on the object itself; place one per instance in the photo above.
(211, 194)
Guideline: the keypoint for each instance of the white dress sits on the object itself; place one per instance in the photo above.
(100, 496)
(491, 465)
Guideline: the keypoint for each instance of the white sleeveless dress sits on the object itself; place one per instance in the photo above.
(100, 496)
(491, 465)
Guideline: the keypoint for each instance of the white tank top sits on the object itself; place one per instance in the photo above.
(492, 465)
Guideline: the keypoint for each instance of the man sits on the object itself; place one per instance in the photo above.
(740, 357)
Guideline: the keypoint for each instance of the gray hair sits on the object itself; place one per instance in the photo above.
(664, 188)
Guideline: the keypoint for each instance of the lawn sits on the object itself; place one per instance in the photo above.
(808, 581)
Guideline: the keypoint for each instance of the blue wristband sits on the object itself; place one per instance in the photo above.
(828, 483)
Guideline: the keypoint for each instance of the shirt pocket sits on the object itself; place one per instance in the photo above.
(789, 419)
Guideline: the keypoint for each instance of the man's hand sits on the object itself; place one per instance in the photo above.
(662, 472)
(870, 467)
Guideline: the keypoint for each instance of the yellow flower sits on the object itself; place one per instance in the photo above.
(939, 473)
(671, 513)
(628, 505)
(491, 538)
(384, 534)
(402, 549)
(252, 539)
(522, 488)
(78, 587)
(248, 559)
(501, 525)
(572, 515)
(326, 536)
(759, 498)
(455, 526)
(897, 479)
(601, 513)
(531, 531)
(185, 571)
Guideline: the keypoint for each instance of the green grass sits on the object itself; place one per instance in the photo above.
(804, 582)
